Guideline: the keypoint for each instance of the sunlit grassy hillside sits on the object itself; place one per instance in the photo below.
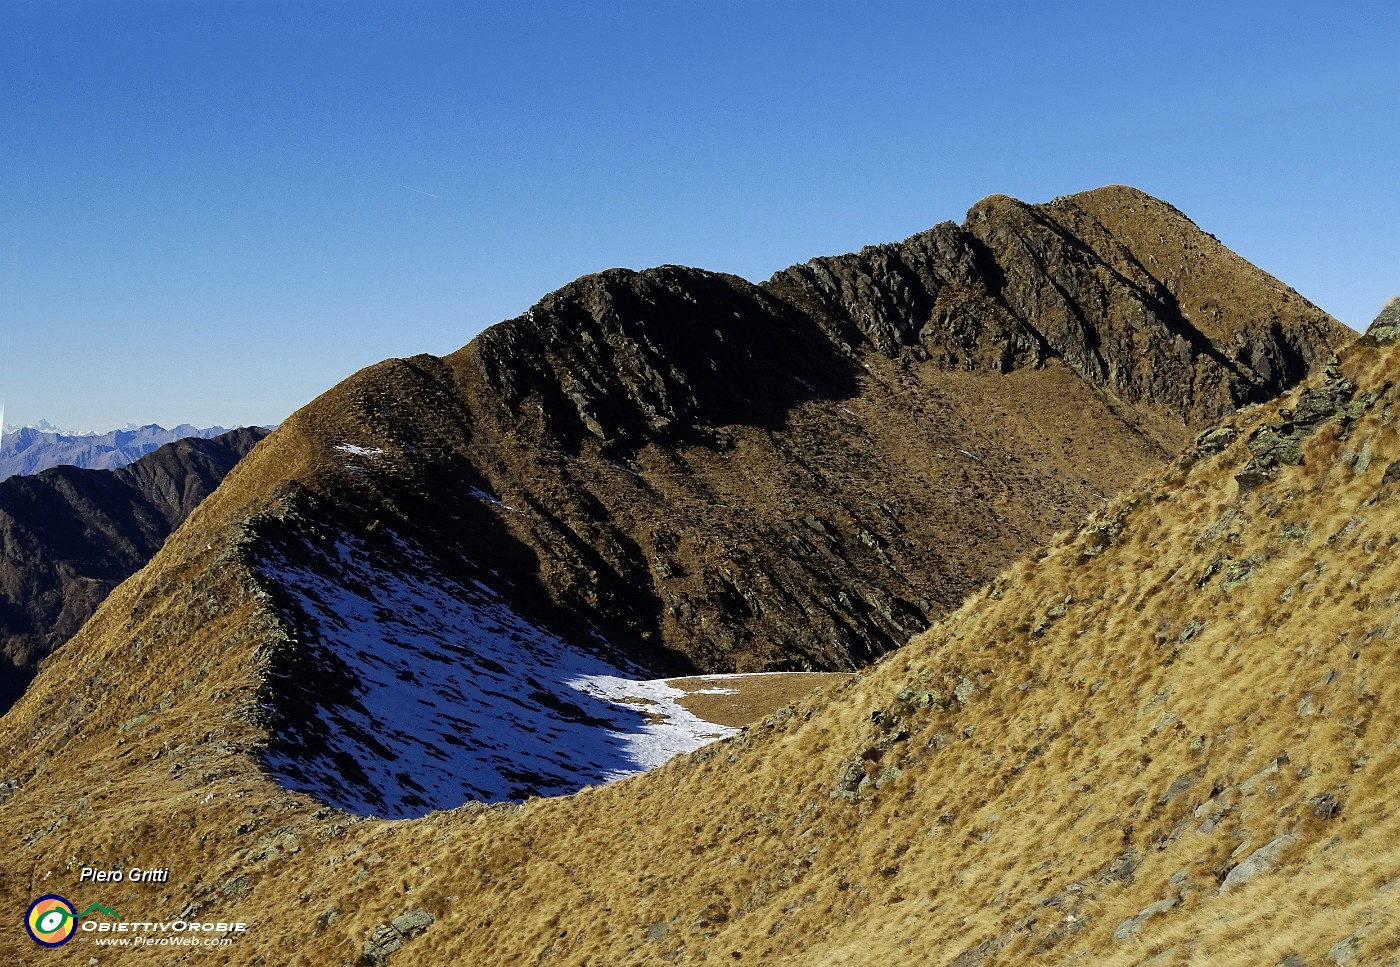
(1169, 738)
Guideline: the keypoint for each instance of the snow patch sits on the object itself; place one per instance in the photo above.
(359, 451)
(490, 498)
(422, 693)
(671, 730)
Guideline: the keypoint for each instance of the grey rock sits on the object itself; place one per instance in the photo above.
(384, 941)
(1260, 861)
(1270, 770)
(1214, 441)
(852, 775)
(1181, 785)
(412, 923)
(1325, 806)
(388, 938)
(1345, 951)
(1121, 870)
(1133, 925)
(1386, 327)
(1281, 443)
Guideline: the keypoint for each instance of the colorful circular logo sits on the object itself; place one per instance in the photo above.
(51, 921)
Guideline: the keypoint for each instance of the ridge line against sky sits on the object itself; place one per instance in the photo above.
(212, 213)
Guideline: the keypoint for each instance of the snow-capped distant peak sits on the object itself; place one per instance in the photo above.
(38, 446)
(44, 426)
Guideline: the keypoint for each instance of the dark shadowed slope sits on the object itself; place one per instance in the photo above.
(68, 536)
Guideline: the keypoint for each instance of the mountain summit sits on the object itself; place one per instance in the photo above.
(413, 594)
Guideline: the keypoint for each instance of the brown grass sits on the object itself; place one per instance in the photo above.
(736, 701)
(1038, 774)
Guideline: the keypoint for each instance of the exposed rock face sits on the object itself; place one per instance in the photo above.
(1120, 286)
(1386, 327)
(68, 536)
(726, 476)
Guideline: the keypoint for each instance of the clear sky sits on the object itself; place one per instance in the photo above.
(212, 211)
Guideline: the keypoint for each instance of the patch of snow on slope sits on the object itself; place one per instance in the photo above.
(352, 449)
(671, 728)
(425, 693)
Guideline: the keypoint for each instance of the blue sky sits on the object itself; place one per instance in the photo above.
(211, 212)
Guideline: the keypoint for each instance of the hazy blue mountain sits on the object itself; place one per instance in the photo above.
(31, 449)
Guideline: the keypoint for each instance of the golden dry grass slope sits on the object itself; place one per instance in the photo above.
(1080, 764)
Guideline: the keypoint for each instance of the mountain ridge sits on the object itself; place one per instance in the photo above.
(625, 471)
(870, 822)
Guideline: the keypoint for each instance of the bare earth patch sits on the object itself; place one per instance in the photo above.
(736, 700)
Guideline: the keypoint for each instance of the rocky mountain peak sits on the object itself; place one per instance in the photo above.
(1120, 286)
(676, 470)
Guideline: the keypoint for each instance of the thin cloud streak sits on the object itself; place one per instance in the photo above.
(418, 190)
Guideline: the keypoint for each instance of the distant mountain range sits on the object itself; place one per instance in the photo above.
(69, 535)
(30, 449)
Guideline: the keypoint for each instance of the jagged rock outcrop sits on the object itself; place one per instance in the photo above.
(69, 535)
(1119, 285)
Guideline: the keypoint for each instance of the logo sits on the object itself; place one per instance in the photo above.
(51, 921)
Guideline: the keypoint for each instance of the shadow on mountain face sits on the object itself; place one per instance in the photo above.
(664, 356)
(411, 692)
